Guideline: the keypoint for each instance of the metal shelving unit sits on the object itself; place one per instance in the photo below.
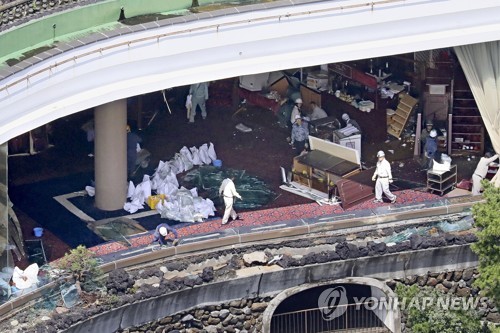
(442, 181)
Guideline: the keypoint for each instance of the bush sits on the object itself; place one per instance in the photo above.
(487, 219)
(435, 319)
(81, 264)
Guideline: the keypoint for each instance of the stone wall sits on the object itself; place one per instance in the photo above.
(253, 271)
(243, 316)
(457, 283)
(246, 315)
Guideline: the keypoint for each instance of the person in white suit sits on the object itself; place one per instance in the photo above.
(228, 191)
(481, 171)
(383, 177)
(199, 96)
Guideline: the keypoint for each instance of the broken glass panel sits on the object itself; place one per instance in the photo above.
(116, 229)
(208, 179)
(69, 295)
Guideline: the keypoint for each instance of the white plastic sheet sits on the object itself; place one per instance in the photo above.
(90, 190)
(196, 156)
(211, 152)
(186, 206)
(130, 190)
(180, 204)
(204, 154)
(27, 278)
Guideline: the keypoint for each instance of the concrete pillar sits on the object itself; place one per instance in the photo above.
(111, 155)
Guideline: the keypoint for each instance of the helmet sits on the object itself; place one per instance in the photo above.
(380, 153)
(298, 100)
(297, 117)
(428, 123)
(163, 231)
(345, 117)
(433, 133)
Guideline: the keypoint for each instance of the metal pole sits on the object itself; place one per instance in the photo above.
(416, 149)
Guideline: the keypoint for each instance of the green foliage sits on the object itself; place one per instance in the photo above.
(434, 319)
(487, 219)
(81, 263)
(494, 329)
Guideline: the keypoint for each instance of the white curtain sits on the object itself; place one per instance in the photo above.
(481, 65)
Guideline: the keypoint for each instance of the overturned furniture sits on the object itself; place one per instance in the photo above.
(397, 123)
(325, 166)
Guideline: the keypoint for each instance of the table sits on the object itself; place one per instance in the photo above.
(317, 159)
(259, 99)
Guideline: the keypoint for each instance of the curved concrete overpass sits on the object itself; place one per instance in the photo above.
(231, 45)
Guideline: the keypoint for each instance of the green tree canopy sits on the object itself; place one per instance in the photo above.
(487, 219)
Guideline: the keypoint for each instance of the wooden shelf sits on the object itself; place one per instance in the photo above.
(400, 118)
(466, 121)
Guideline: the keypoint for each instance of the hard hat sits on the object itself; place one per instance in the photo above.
(429, 123)
(345, 117)
(163, 231)
(298, 100)
(433, 133)
(380, 153)
(297, 117)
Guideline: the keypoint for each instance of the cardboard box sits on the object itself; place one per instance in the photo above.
(317, 80)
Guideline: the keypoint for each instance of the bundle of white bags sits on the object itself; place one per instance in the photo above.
(181, 204)
(187, 158)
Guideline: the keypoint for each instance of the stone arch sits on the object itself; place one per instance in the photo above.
(392, 319)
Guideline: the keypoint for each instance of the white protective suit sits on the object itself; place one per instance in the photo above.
(384, 177)
(228, 191)
(480, 173)
(199, 95)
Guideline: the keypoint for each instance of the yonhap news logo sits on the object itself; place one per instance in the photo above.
(332, 303)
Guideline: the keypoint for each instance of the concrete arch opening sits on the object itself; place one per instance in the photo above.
(346, 305)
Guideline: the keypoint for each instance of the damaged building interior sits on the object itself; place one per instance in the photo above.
(391, 99)
(234, 166)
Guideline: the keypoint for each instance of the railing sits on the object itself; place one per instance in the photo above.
(50, 68)
(354, 318)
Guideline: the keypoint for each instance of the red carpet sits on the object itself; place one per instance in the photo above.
(268, 216)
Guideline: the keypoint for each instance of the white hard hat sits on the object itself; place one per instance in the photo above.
(297, 117)
(163, 231)
(345, 117)
(298, 100)
(380, 153)
(433, 133)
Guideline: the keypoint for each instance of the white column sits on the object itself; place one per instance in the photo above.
(111, 155)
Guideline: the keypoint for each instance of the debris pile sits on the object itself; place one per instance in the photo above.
(179, 204)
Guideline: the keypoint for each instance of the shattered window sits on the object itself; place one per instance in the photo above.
(208, 179)
(116, 229)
